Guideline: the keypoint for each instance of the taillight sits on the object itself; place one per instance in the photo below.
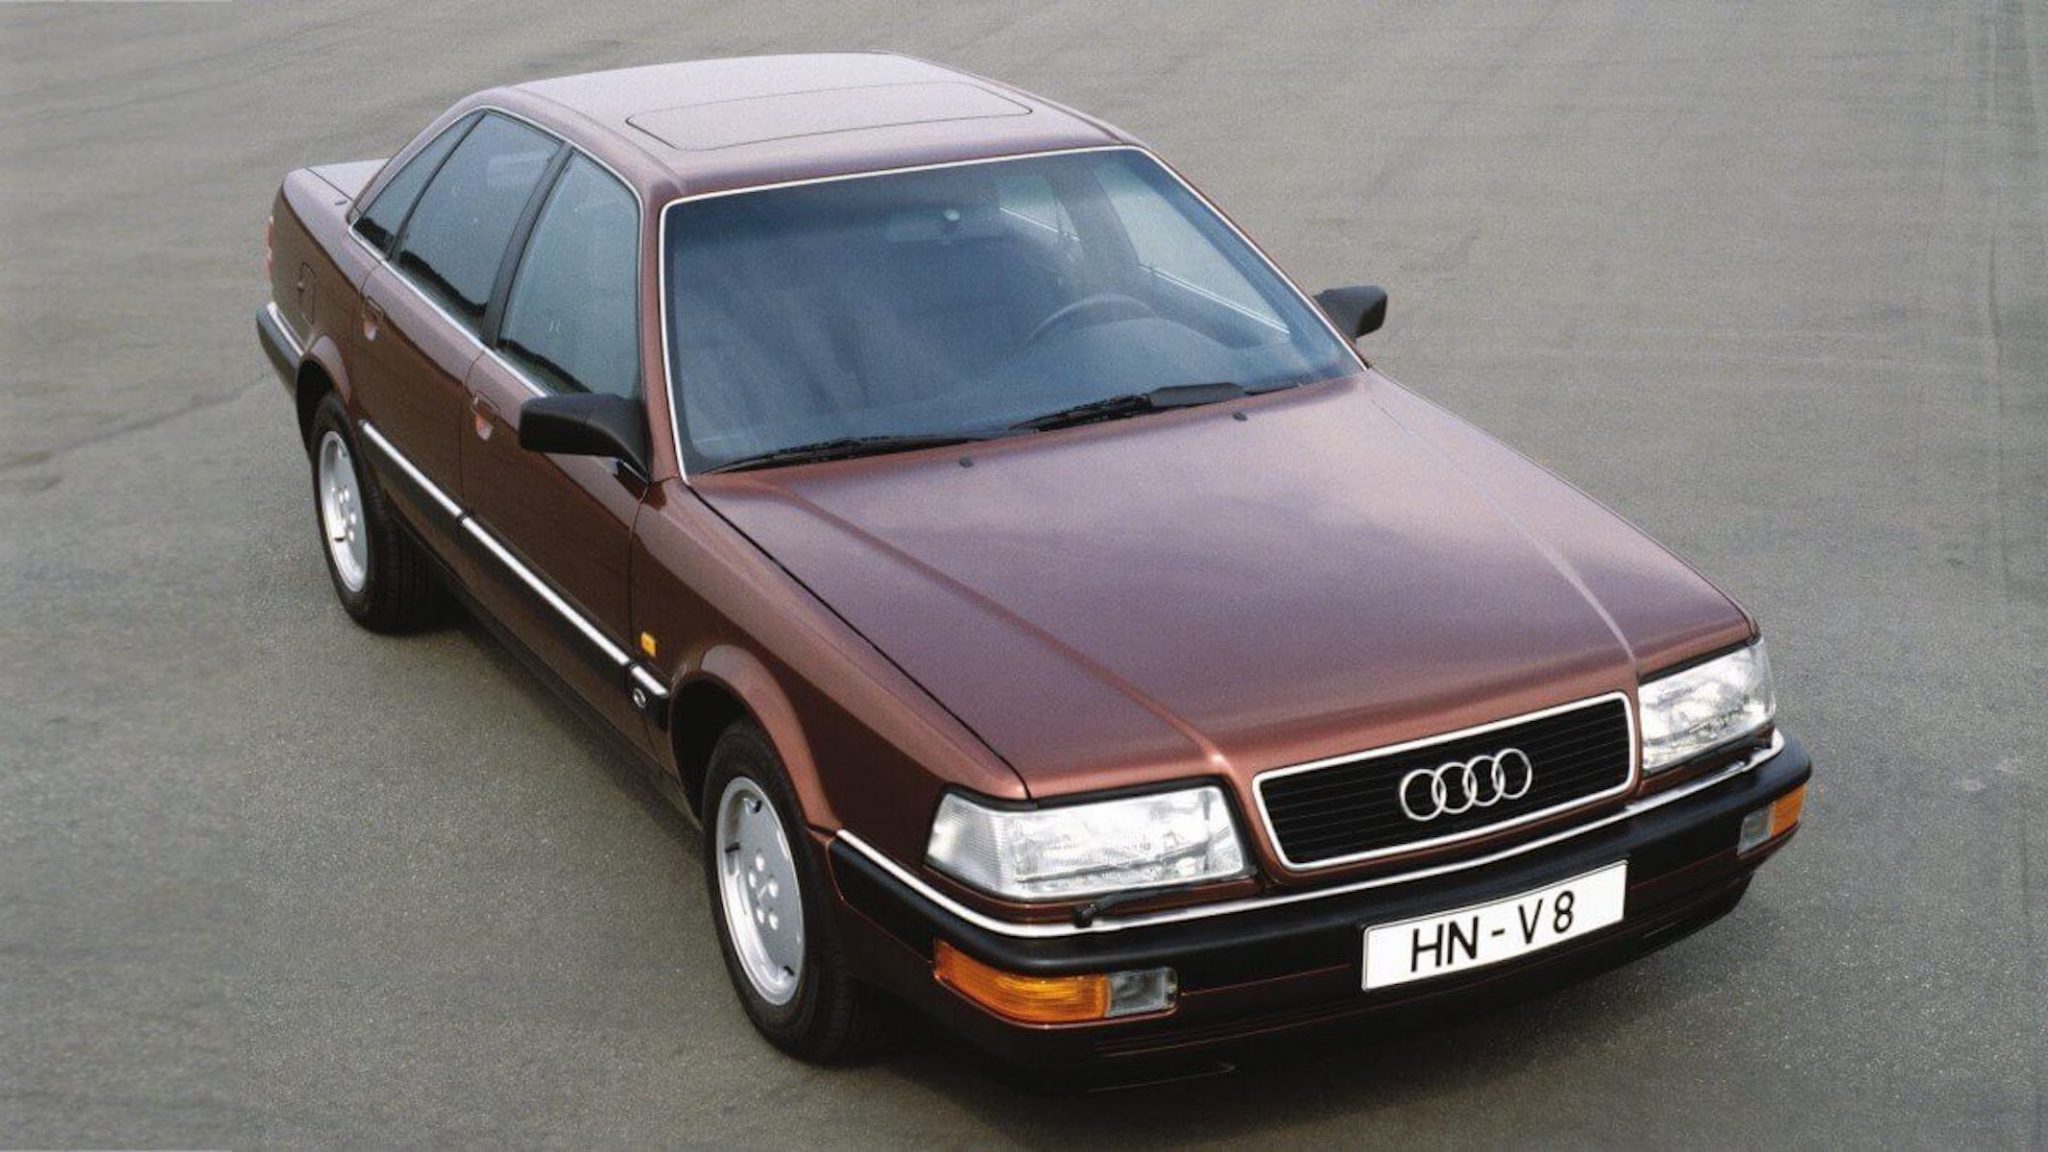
(268, 223)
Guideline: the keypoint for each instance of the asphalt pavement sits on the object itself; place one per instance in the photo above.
(1769, 279)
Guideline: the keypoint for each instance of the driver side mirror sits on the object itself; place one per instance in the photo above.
(586, 424)
(1355, 311)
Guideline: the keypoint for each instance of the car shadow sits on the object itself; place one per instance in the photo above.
(612, 758)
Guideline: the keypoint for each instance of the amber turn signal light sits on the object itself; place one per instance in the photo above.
(1785, 812)
(1030, 999)
(1771, 821)
(1054, 999)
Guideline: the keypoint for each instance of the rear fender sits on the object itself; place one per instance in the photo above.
(326, 354)
(323, 359)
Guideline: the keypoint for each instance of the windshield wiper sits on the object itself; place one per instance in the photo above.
(1130, 404)
(842, 447)
(1115, 407)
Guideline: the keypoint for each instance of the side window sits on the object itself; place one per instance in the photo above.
(573, 314)
(386, 214)
(1173, 250)
(455, 240)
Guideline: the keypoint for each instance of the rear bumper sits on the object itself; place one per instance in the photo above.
(1266, 969)
(278, 344)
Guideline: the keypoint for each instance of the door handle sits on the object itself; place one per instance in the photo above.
(373, 318)
(483, 416)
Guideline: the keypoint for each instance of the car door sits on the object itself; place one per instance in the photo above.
(566, 320)
(423, 308)
(402, 373)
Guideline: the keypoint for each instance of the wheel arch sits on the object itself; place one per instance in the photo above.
(320, 372)
(731, 684)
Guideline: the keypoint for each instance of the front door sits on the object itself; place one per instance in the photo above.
(568, 322)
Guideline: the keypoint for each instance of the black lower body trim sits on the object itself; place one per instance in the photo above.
(278, 345)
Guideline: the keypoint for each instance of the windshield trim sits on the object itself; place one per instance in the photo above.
(661, 253)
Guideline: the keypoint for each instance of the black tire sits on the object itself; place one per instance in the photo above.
(832, 1017)
(399, 591)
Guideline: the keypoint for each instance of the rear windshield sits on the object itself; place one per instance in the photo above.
(962, 300)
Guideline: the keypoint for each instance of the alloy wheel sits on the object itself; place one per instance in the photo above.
(757, 888)
(341, 513)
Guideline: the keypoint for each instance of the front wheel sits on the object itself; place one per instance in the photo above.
(771, 909)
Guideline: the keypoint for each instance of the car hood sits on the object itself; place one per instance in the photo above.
(1195, 593)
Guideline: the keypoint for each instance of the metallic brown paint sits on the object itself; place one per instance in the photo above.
(1194, 595)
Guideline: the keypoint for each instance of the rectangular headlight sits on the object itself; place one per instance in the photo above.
(1705, 706)
(1078, 850)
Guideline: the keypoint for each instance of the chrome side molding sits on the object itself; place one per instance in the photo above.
(411, 470)
(641, 683)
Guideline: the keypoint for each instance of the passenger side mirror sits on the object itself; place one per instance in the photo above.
(1355, 311)
(586, 424)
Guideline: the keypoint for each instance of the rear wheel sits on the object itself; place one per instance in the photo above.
(771, 909)
(341, 505)
(381, 575)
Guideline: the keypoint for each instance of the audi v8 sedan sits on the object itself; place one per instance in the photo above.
(1054, 622)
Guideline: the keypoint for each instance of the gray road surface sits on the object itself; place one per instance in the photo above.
(1771, 279)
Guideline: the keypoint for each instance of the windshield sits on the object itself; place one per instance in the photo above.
(963, 301)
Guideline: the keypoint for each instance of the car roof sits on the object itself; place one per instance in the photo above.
(717, 125)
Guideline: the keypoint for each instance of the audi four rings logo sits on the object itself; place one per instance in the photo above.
(1462, 785)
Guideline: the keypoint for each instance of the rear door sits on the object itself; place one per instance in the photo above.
(444, 238)
(567, 320)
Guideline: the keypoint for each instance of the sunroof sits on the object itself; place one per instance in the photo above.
(756, 119)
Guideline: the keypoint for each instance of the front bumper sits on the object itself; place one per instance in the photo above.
(1276, 964)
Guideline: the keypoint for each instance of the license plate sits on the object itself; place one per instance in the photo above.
(1446, 942)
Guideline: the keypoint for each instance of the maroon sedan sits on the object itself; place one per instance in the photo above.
(1054, 622)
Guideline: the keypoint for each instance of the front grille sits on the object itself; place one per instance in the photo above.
(1352, 809)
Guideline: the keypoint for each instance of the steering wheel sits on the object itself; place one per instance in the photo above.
(1108, 305)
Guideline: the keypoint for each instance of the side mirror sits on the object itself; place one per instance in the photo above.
(586, 424)
(1355, 311)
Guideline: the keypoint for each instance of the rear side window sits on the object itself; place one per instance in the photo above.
(573, 314)
(452, 245)
(380, 223)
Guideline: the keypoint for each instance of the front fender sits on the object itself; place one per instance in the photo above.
(743, 674)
